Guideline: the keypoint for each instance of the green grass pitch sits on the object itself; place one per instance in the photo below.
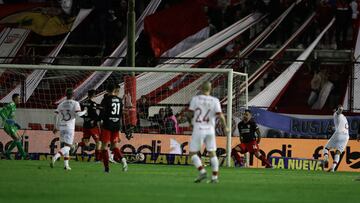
(35, 181)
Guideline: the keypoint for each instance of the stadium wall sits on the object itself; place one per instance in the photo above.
(173, 149)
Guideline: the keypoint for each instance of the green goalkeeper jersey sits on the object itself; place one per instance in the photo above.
(8, 111)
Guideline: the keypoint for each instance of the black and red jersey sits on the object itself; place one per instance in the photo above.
(111, 112)
(91, 117)
(247, 131)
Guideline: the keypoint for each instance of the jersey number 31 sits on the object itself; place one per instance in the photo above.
(115, 108)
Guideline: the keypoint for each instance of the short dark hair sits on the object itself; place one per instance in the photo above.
(69, 92)
(14, 96)
(247, 110)
(112, 86)
(91, 93)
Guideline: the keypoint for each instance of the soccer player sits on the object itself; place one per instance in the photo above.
(90, 125)
(11, 127)
(65, 115)
(203, 111)
(111, 116)
(250, 137)
(339, 139)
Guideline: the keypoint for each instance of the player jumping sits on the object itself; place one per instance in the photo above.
(11, 127)
(339, 139)
(66, 113)
(249, 139)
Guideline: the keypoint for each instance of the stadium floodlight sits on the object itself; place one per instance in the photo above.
(171, 87)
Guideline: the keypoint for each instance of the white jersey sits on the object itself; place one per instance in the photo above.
(341, 124)
(67, 111)
(205, 110)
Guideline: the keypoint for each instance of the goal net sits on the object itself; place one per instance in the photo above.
(158, 96)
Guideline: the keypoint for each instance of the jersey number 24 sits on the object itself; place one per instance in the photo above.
(205, 118)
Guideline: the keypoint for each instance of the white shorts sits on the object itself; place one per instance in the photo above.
(337, 141)
(67, 136)
(200, 137)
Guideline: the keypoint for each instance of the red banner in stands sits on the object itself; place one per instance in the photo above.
(168, 27)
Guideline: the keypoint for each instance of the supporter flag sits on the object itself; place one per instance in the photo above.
(175, 29)
(8, 9)
(39, 22)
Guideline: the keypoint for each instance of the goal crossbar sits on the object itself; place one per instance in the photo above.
(122, 69)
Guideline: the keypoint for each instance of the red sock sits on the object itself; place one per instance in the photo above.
(117, 154)
(105, 157)
(265, 161)
(97, 155)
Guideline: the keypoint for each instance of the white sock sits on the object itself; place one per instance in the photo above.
(123, 161)
(56, 156)
(336, 161)
(197, 163)
(326, 154)
(66, 162)
(62, 151)
(66, 159)
(214, 166)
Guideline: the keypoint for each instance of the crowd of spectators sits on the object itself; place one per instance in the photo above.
(106, 25)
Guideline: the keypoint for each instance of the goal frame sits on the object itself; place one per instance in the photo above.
(229, 72)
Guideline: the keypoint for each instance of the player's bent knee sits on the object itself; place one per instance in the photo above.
(212, 154)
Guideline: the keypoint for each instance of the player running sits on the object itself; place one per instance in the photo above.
(111, 114)
(339, 139)
(65, 121)
(250, 137)
(11, 127)
(203, 111)
(90, 125)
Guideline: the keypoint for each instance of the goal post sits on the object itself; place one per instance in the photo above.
(166, 85)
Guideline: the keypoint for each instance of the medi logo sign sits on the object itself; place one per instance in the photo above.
(158, 147)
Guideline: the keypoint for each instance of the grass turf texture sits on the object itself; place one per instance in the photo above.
(35, 181)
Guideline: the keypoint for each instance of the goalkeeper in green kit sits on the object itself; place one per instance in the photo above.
(11, 127)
